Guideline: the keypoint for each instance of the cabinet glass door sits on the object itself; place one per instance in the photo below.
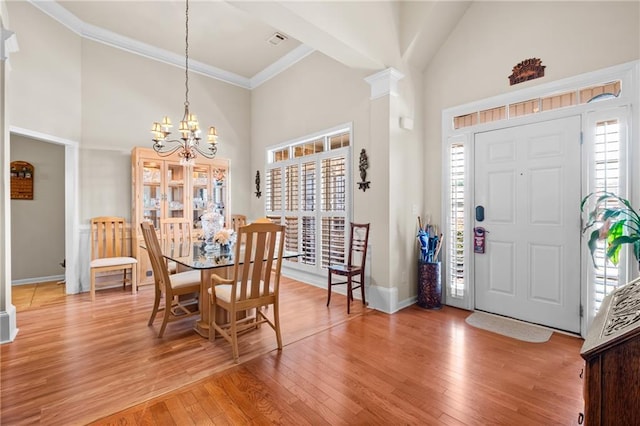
(219, 188)
(176, 196)
(201, 197)
(151, 192)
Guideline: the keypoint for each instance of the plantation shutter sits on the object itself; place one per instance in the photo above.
(307, 189)
(273, 190)
(333, 183)
(607, 178)
(456, 264)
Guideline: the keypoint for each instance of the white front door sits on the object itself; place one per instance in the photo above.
(527, 179)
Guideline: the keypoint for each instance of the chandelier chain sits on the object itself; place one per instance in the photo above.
(188, 145)
(186, 56)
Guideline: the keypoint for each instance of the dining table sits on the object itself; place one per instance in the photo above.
(197, 255)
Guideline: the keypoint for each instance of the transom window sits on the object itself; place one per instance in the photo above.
(547, 103)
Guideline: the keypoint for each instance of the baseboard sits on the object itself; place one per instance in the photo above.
(38, 280)
(384, 299)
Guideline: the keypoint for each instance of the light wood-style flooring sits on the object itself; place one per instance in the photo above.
(75, 363)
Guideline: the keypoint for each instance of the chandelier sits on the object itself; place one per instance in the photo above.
(188, 146)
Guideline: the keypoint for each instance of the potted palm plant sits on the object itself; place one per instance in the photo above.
(612, 219)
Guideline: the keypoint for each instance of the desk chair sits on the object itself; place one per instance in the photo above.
(253, 285)
(355, 265)
(109, 251)
(171, 286)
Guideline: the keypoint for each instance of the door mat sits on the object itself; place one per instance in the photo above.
(509, 327)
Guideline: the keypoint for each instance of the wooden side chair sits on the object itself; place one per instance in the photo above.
(176, 231)
(170, 286)
(110, 250)
(253, 285)
(355, 266)
(238, 220)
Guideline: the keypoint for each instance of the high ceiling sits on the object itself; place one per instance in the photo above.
(229, 40)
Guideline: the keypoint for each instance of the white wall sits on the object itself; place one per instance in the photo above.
(407, 187)
(45, 78)
(122, 95)
(570, 37)
(319, 93)
(316, 94)
(107, 99)
(38, 225)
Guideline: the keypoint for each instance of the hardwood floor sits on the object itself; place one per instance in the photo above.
(77, 363)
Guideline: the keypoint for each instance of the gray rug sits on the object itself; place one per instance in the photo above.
(509, 327)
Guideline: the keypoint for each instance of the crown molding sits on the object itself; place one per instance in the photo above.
(100, 35)
(281, 64)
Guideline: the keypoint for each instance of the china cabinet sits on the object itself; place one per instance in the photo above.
(162, 188)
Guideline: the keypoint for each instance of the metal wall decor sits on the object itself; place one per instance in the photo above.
(258, 193)
(528, 69)
(364, 165)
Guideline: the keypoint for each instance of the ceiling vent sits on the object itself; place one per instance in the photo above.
(277, 38)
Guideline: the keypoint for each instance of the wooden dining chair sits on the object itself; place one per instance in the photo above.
(170, 286)
(177, 232)
(238, 220)
(355, 266)
(253, 285)
(110, 251)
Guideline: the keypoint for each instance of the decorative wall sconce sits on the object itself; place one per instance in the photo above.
(364, 165)
(258, 193)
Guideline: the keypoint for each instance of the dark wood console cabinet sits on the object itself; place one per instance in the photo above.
(612, 360)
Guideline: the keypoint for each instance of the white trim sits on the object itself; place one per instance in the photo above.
(384, 83)
(8, 43)
(72, 205)
(345, 127)
(109, 38)
(625, 271)
(346, 152)
(37, 280)
(288, 60)
(33, 134)
(628, 73)
(622, 72)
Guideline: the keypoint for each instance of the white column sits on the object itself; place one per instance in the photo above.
(8, 329)
(383, 112)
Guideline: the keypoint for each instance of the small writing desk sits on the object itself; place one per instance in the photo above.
(195, 256)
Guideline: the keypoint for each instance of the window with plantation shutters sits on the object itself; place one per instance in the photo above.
(456, 263)
(313, 181)
(606, 149)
